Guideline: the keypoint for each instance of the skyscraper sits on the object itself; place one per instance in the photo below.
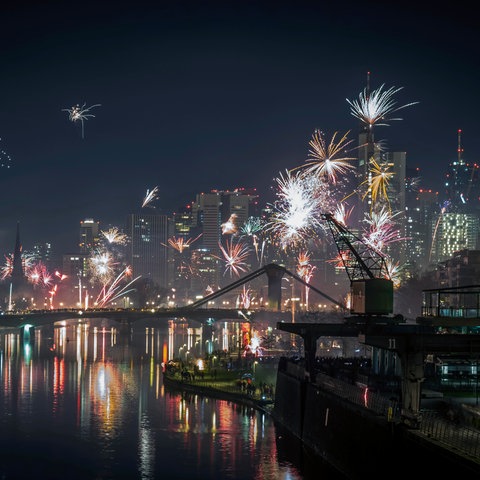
(147, 251)
(89, 235)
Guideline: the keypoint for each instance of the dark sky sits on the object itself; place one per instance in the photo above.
(205, 95)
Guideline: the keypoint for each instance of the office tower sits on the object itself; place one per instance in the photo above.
(457, 226)
(422, 207)
(220, 215)
(147, 251)
(462, 183)
(89, 235)
(452, 233)
(181, 245)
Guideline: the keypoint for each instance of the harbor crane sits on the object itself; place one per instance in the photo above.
(371, 288)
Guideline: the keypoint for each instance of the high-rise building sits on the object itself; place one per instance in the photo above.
(462, 184)
(147, 251)
(89, 235)
(219, 215)
(457, 226)
(454, 232)
(421, 208)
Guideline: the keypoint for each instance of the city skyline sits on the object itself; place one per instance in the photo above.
(190, 98)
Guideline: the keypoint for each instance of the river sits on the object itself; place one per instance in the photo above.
(85, 400)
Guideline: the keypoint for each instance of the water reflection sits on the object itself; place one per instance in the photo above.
(86, 400)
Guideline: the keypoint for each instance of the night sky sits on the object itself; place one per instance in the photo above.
(201, 95)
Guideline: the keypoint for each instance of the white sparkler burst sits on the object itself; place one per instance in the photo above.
(373, 108)
(297, 211)
(80, 114)
(102, 265)
(150, 196)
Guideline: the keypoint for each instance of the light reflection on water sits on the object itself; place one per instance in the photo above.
(86, 401)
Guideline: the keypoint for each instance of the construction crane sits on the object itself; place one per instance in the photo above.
(371, 288)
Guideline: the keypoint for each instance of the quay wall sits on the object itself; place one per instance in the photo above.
(356, 441)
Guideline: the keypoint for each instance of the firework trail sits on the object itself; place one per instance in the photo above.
(246, 298)
(80, 114)
(150, 196)
(252, 229)
(328, 160)
(115, 290)
(234, 256)
(305, 272)
(435, 230)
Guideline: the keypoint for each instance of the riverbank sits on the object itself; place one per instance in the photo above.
(224, 385)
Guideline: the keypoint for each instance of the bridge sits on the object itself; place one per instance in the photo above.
(199, 310)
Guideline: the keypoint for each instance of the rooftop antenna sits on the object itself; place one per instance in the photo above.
(459, 148)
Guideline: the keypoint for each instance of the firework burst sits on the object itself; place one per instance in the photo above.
(297, 210)
(373, 108)
(235, 255)
(180, 244)
(381, 230)
(230, 226)
(305, 271)
(80, 114)
(114, 236)
(328, 160)
(377, 182)
(102, 266)
(253, 229)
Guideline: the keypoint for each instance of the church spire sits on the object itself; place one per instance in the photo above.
(18, 275)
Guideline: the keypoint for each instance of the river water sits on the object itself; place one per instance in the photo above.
(86, 401)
